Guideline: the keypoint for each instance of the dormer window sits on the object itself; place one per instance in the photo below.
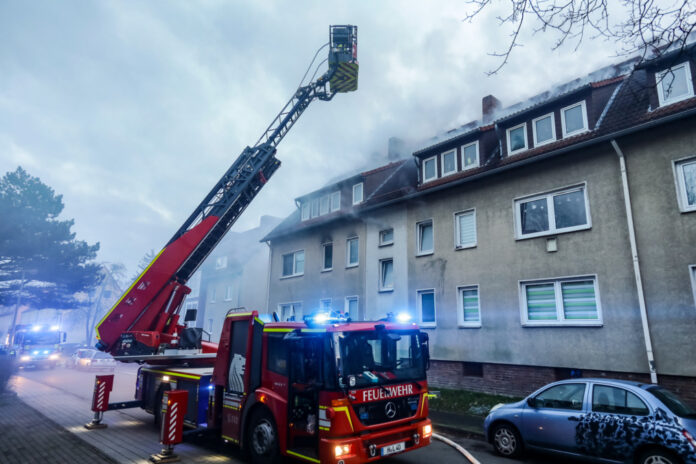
(674, 84)
(574, 119)
(320, 206)
(324, 205)
(517, 138)
(358, 193)
(335, 201)
(429, 169)
(544, 130)
(305, 210)
(449, 162)
(315, 207)
(470, 155)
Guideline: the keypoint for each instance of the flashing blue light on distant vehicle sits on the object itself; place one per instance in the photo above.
(55, 327)
(36, 328)
(321, 318)
(35, 352)
(45, 352)
(403, 317)
(210, 387)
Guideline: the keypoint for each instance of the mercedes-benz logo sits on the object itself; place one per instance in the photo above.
(390, 410)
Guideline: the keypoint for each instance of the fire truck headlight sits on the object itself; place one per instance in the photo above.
(165, 378)
(427, 430)
(53, 357)
(35, 352)
(26, 357)
(342, 450)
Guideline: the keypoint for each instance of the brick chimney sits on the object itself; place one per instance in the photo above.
(489, 106)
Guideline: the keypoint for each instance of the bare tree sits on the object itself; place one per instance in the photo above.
(648, 29)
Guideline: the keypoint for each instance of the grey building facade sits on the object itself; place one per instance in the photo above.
(551, 239)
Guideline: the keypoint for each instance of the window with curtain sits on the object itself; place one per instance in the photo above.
(469, 309)
(470, 155)
(465, 229)
(562, 301)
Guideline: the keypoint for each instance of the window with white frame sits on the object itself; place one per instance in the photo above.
(674, 84)
(470, 155)
(325, 305)
(386, 237)
(426, 307)
(221, 262)
(567, 301)
(386, 274)
(290, 311)
(293, 264)
(315, 207)
(429, 169)
(351, 307)
(574, 119)
(465, 229)
(544, 129)
(425, 239)
(551, 213)
(352, 252)
(324, 205)
(469, 314)
(685, 172)
(358, 193)
(517, 138)
(449, 162)
(228, 293)
(335, 201)
(327, 255)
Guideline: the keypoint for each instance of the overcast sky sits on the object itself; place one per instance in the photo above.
(133, 110)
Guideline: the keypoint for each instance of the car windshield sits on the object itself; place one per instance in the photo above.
(673, 402)
(378, 357)
(40, 338)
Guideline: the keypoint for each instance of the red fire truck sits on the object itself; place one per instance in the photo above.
(323, 390)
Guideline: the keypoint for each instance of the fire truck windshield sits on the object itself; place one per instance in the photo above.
(31, 338)
(375, 357)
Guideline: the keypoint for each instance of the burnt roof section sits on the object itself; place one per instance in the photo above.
(382, 184)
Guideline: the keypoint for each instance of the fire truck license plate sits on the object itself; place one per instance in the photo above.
(395, 448)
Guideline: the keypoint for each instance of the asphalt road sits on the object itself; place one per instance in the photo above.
(80, 384)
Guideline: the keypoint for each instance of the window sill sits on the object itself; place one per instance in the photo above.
(553, 232)
(676, 100)
(577, 132)
(425, 253)
(470, 326)
(425, 181)
(447, 174)
(385, 290)
(430, 325)
(518, 151)
(291, 276)
(689, 209)
(327, 270)
(464, 247)
(473, 166)
(385, 244)
(350, 266)
(545, 142)
(564, 324)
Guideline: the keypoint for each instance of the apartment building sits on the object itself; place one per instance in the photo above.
(551, 239)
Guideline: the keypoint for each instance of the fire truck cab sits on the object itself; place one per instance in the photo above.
(324, 390)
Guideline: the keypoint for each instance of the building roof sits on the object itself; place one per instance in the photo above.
(626, 109)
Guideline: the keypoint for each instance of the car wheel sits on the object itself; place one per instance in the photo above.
(507, 441)
(262, 438)
(657, 456)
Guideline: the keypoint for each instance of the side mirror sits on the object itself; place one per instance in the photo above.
(531, 402)
(190, 315)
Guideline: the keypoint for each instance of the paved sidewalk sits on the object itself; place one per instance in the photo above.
(457, 423)
(28, 437)
(130, 437)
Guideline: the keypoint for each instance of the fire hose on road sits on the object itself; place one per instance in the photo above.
(459, 448)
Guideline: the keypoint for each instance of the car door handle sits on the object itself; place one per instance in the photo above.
(574, 418)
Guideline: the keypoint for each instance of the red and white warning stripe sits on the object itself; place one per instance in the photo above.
(172, 421)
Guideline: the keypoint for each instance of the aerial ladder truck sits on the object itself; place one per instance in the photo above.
(323, 390)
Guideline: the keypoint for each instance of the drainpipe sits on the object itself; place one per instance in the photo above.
(268, 280)
(636, 263)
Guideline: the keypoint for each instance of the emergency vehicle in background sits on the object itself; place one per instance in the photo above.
(36, 345)
(324, 390)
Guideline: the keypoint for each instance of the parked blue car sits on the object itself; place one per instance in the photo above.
(604, 420)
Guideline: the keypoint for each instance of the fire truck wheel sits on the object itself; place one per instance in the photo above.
(262, 438)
